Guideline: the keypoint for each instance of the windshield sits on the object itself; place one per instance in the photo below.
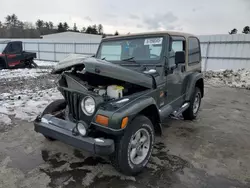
(2, 47)
(145, 49)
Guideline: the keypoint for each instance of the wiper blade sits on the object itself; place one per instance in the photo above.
(104, 58)
(129, 59)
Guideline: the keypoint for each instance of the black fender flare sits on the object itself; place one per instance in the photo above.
(145, 105)
(192, 80)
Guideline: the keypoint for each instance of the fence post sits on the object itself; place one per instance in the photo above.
(38, 49)
(206, 60)
(74, 48)
(54, 51)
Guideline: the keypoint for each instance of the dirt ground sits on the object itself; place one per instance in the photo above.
(212, 151)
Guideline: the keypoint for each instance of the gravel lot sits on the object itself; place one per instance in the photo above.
(212, 151)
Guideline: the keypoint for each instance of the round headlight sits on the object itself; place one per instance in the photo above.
(81, 129)
(88, 105)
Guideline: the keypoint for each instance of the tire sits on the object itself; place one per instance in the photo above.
(122, 159)
(32, 64)
(2, 64)
(192, 111)
(54, 107)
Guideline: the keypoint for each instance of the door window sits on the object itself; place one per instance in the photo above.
(178, 44)
(194, 55)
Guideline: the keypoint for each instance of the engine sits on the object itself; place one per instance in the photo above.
(106, 87)
(112, 91)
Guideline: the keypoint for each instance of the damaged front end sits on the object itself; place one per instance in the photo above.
(95, 93)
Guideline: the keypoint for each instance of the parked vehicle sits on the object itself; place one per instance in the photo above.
(13, 56)
(114, 103)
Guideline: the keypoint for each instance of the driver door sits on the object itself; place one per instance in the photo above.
(175, 75)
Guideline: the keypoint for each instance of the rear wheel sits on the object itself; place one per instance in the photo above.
(31, 64)
(2, 64)
(52, 108)
(134, 148)
(192, 111)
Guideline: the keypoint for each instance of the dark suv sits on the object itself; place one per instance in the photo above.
(115, 101)
(13, 56)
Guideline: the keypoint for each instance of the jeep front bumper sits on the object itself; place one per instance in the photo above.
(63, 131)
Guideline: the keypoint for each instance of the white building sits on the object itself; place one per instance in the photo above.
(74, 37)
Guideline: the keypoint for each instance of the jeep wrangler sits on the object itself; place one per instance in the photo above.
(114, 102)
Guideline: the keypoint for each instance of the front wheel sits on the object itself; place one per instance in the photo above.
(134, 148)
(52, 108)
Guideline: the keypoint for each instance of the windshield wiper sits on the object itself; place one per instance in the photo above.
(129, 59)
(104, 58)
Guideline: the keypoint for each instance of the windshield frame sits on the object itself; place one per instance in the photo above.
(142, 62)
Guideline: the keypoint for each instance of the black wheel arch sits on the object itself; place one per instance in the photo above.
(152, 113)
(194, 80)
(142, 106)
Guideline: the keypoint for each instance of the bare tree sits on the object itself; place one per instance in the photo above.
(83, 30)
(46, 24)
(51, 25)
(233, 31)
(60, 27)
(246, 30)
(100, 29)
(11, 21)
(65, 26)
(75, 28)
(116, 33)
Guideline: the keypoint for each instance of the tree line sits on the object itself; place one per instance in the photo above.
(246, 30)
(15, 28)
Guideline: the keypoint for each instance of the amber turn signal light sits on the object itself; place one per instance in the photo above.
(124, 122)
(103, 120)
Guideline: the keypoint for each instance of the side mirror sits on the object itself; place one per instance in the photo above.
(179, 57)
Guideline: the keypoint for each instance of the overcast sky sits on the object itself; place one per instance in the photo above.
(194, 16)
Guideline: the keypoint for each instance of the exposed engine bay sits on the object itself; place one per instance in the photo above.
(106, 87)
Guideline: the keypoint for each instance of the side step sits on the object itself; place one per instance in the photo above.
(176, 114)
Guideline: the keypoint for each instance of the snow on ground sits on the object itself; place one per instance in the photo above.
(26, 104)
(4, 119)
(24, 93)
(237, 79)
(22, 73)
(45, 63)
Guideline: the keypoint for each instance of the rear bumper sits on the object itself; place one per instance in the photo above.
(62, 130)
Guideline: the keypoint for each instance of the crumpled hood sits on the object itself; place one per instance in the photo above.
(104, 68)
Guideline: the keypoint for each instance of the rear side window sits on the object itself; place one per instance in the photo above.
(194, 55)
(15, 47)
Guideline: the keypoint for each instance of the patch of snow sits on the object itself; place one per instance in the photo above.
(237, 79)
(3, 109)
(22, 73)
(27, 105)
(4, 119)
(45, 63)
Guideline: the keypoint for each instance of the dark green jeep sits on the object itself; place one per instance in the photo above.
(114, 102)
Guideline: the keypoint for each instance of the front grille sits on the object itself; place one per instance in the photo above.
(73, 101)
